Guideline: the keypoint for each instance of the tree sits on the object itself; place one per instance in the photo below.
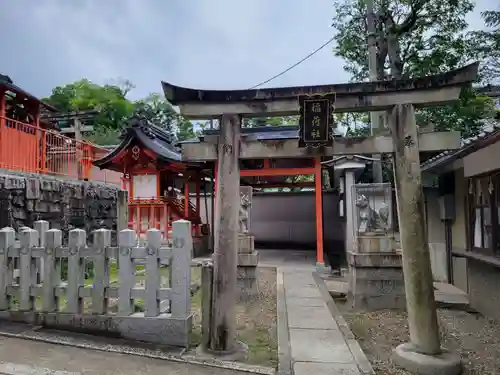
(488, 47)
(109, 100)
(414, 38)
(270, 121)
(114, 108)
(158, 111)
(161, 113)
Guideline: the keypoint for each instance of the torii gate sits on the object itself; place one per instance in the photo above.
(399, 97)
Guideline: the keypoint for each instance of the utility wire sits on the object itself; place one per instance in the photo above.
(296, 64)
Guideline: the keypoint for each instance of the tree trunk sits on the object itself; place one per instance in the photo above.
(422, 318)
(372, 67)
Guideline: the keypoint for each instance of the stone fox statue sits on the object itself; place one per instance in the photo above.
(369, 219)
(244, 216)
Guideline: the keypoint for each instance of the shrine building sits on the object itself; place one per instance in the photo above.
(158, 182)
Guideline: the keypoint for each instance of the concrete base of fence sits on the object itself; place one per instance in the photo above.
(163, 329)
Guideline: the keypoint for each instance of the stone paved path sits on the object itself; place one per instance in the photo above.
(317, 343)
(26, 357)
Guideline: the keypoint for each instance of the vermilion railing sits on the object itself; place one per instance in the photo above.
(159, 213)
(27, 148)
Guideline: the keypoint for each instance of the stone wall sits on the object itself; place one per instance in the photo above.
(65, 204)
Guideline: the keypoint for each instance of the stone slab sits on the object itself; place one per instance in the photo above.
(299, 279)
(359, 356)
(319, 345)
(302, 292)
(310, 318)
(284, 353)
(292, 302)
(337, 287)
(448, 295)
(312, 368)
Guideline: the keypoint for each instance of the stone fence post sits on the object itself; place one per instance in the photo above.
(182, 247)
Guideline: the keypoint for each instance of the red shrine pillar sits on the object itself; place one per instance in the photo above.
(319, 211)
(198, 183)
(186, 198)
(2, 126)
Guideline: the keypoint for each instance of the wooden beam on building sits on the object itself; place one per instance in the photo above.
(428, 142)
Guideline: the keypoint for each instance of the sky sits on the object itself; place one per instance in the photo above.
(219, 44)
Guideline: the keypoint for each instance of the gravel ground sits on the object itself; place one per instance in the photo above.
(255, 321)
(472, 336)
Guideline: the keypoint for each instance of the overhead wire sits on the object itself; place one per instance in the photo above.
(296, 64)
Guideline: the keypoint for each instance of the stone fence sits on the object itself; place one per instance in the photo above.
(106, 301)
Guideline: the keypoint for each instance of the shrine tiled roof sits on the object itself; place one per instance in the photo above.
(260, 133)
(490, 132)
(145, 134)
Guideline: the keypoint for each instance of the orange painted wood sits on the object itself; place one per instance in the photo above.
(2, 116)
(19, 146)
(158, 188)
(186, 199)
(198, 191)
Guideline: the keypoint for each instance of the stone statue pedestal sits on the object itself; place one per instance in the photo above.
(374, 243)
(376, 274)
(248, 259)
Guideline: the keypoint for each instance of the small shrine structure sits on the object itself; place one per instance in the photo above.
(158, 183)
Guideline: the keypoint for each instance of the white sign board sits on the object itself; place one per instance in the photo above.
(144, 186)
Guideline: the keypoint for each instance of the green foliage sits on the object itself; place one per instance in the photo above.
(104, 137)
(83, 95)
(114, 108)
(158, 111)
(487, 45)
(430, 34)
(161, 113)
(414, 38)
(88, 274)
(463, 116)
(271, 121)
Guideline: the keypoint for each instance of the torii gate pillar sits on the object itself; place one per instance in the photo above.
(222, 317)
(423, 354)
